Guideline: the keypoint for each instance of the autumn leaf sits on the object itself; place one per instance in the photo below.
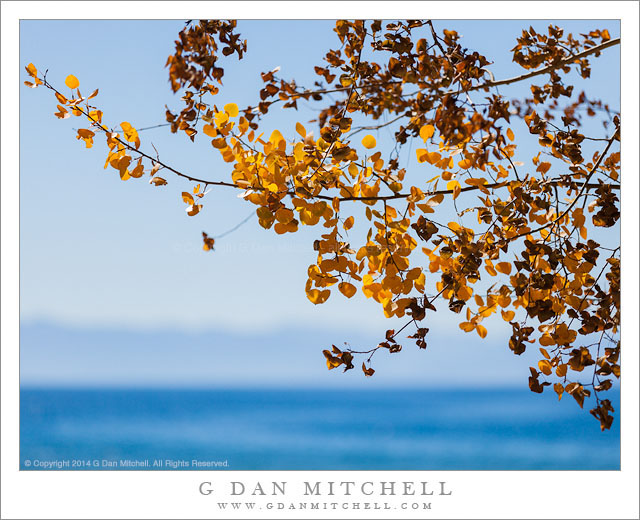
(347, 289)
(210, 130)
(157, 181)
(482, 331)
(518, 241)
(503, 267)
(231, 109)
(194, 209)
(367, 371)
(71, 81)
(208, 242)
(317, 296)
(86, 136)
(426, 132)
(368, 141)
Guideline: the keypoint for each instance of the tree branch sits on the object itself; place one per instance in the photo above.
(549, 68)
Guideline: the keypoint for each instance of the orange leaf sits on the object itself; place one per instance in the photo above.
(368, 141)
(210, 130)
(317, 297)
(348, 224)
(157, 181)
(503, 267)
(467, 326)
(545, 367)
(508, 315)
(347, 289)
(71, 81)
(482, 332)
(426, 132)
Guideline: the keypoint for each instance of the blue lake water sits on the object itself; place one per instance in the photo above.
(314, 429)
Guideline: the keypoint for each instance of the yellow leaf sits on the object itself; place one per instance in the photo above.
(276, 137)
(187, 198)
(231, 109)
(422, 155)
(347, 289)
(71, 81)
(510, 134)
(454, 226)
(426, 132)
(452, 185)
(31, 70)
(301, 130)
(221, 118)
(482, 332)
(95, 116)
(368, 141)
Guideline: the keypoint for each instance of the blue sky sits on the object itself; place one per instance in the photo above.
(98, 254)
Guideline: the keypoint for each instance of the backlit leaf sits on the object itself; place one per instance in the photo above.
(368, 141)
(317, 296)
(210, 130)
(231, 109)
(545, 367)
(71, 81)
(503, 267)
(481, 330)
(347, 289)
(426, 132)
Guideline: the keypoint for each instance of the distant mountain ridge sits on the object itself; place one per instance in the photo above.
(57, 355)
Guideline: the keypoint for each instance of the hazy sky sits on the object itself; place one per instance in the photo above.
(99, 252)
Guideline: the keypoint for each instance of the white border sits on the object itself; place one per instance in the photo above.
(174, 495)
